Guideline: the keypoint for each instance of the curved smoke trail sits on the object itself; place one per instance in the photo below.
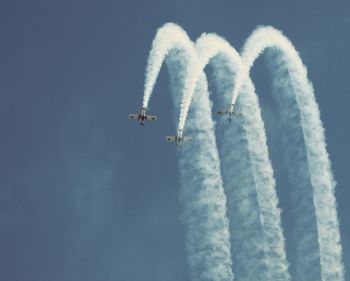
(211, 46)
(202, 193)
(256, 236)
(319, 250)
(308, 161)
(170, 36)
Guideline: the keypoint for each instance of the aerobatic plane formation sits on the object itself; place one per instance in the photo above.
(179, 138)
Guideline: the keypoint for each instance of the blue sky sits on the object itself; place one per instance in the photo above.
(84, 193)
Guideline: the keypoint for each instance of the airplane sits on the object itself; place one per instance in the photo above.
(142, 117)
(179, 138)
(230, 112)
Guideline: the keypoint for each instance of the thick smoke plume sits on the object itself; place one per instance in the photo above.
(308, 161)
(202, 193)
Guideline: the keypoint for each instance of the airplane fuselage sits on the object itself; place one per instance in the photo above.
(179, 137)
(142, 119)
(230, 113)
(142, 116)
(179, 140)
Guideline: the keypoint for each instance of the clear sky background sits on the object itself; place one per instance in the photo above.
(84, 193)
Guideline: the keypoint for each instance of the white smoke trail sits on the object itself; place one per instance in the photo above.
(256, 236)
(304, 127)
(170, 36)
(210, 46)
(202, 193)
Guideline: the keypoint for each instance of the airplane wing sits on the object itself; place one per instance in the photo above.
(133, 116)
(151, 118)
(189, 139)
(170, 138)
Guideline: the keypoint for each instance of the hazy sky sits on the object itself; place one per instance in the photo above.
(84, 193)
